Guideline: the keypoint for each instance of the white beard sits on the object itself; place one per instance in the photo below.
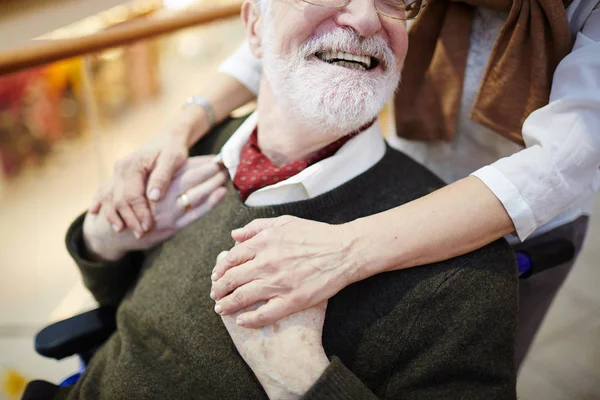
(326, 97)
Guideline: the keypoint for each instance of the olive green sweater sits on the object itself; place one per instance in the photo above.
(442, 331)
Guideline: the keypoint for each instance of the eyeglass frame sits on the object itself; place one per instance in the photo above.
(423, 4)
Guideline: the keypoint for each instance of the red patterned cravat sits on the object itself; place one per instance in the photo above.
(256, 171)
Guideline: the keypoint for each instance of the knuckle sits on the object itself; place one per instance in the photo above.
(231, 259)
(130, 198)
(221, 256)
(123, 163)
(262, 317)
(137, 201)
(264, 237)
(229, 284)
(160, 178)
(239, 297)
(279, 280)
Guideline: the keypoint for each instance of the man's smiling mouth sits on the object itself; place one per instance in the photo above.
(347, 60)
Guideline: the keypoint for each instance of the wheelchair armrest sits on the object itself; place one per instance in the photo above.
(76, 335)
(533, 259)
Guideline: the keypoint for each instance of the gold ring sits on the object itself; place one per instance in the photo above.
(186, 201)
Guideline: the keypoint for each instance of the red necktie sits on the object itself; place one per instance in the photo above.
(256, 171)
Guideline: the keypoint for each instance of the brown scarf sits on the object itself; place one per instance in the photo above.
(517, 80)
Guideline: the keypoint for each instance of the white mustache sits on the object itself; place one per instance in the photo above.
(347, 40)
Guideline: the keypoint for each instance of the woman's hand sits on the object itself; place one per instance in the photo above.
(200, 179)
(290, 263)
(146, 175)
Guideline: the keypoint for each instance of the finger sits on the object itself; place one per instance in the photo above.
(195, 176)
(201, 160)
(200, 193)
(193, 162)
(241, 298)
(130, 220)
(111, 215)
(161, 175)
(101, 196)
(130, 193)
(141, 210)
(195, 213)
(237, 255)
(233, 279)
(221, 255)
(95, 206)
(267, 314)
(253, 229)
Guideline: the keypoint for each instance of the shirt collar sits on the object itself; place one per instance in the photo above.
(352, 159)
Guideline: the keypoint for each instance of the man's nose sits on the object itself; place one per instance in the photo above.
(361, 16)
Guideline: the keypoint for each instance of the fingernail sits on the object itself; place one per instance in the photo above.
(214, 277)
(137, 234)
(116, 228)
(218, 309)
(212, 294)
(235, 231)
(145, 227)
(239, 321)
(154, 194)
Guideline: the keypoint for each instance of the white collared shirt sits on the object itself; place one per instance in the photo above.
(352, 159)
(552, 180)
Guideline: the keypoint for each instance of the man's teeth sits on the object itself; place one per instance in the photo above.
(350, 65)
(346, 60)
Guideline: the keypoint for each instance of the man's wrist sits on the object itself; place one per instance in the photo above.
(312, 372)
(96, 253)
(95, 249)
(305, 377)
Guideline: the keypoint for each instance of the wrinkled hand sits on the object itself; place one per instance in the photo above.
(200, 178)
(144, 176)
(287, 357)
(289, 263)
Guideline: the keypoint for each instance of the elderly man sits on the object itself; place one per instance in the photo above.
(445, 331)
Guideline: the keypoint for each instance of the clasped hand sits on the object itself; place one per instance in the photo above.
(199, 178)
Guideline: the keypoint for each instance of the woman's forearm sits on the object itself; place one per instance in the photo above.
(449, 222)
(224, 93)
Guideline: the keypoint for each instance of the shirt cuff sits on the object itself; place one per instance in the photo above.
(515, 205)
(338, 383)
(243, 66)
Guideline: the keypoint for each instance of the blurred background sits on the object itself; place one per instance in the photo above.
(58, 143)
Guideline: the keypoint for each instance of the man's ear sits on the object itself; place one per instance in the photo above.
(252, 21)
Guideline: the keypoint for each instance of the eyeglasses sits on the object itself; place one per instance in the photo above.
(396, 9)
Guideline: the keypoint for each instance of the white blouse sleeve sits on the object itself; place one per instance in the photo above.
(243, 66)
(561, 161)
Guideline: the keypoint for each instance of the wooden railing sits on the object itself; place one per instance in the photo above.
(43, 52)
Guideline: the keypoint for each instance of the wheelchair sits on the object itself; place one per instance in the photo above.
(85, 333)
